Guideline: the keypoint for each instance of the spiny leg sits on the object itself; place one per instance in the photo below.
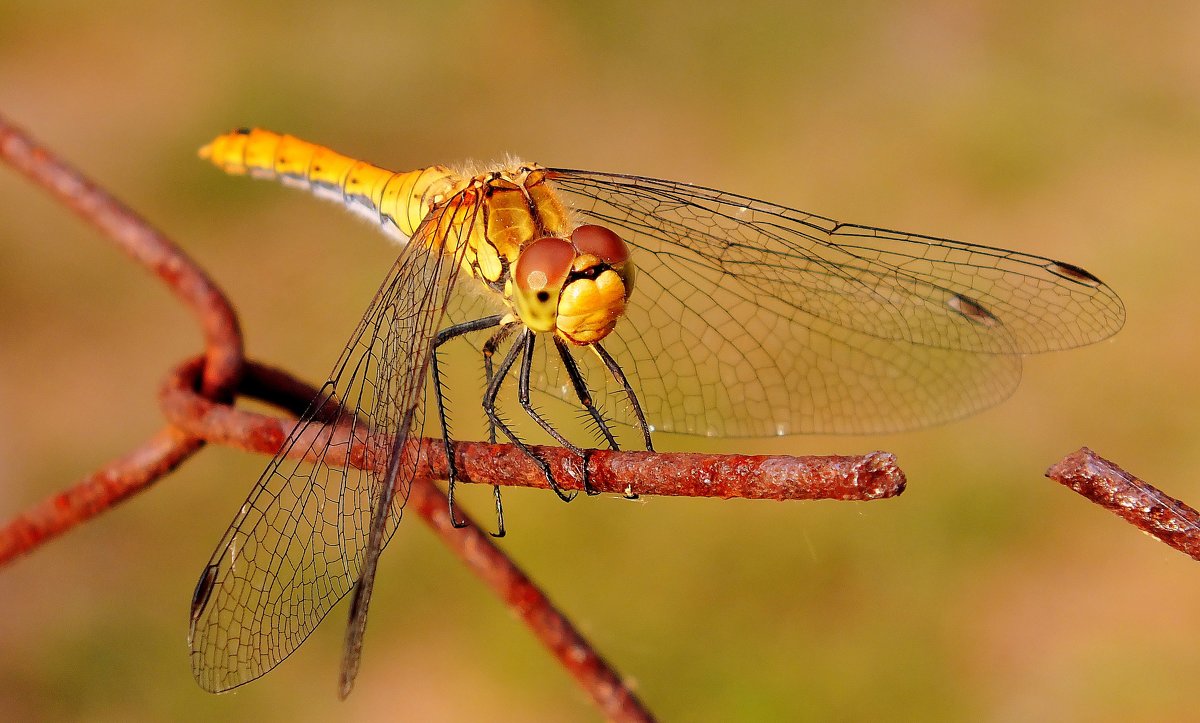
(452, 470)
(523, 345)
(523, 395)
(489, 350)
(619, 374)
(583, 393)
(585, 400)
(580, 391)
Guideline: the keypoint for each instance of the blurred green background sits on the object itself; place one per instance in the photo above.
(986, 592)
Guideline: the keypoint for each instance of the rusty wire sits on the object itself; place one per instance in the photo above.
(1134, 500)
(223, 355)
(207, 415)
(776, 477)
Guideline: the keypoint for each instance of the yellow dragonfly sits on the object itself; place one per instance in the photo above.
(681, 308)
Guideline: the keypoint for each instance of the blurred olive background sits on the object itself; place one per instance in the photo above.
(986, 592)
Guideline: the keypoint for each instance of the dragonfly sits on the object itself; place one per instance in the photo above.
(680, 308)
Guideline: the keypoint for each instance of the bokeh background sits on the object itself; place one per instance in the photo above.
(985, 592)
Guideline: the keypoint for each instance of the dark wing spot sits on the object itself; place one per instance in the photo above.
(972, 310)
(242, 131)
(543, 296)
(1071, 272)
(203, 591)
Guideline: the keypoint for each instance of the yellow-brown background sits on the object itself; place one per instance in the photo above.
(985, 592)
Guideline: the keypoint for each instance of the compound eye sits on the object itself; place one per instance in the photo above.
(542, 267)
(602, 243)
(538, 278)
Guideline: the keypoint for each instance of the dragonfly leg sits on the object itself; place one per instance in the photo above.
(442, 337)
(524, 347)
(585, 400)
(619, 374)
(580, 391)
(583, 393)
(489, 351)
(523, 395)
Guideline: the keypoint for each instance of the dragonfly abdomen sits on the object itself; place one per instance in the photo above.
(401, 200)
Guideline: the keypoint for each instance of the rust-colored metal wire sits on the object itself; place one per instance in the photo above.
(197, 398)
(776, 477)
(167, 449)
(1134, 500)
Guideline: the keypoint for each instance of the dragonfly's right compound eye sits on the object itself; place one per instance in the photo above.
(606, 245)
(538, 278)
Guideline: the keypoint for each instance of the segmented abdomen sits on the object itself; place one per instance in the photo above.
(398, 199)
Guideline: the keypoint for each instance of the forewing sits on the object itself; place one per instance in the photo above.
(749, 318)
(301, 540)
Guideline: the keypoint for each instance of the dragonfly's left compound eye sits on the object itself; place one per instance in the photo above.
(538, 277)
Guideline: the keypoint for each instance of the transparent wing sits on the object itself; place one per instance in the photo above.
(304, 536)
(749, 318)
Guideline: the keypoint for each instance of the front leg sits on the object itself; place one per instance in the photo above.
(523, 346)
(442, 337)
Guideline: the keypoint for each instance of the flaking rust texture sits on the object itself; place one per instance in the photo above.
(1138, 502)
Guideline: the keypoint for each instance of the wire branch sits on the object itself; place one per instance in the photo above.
(1135, 500)
(143, 243)
(872, 476)
(98, 492)
(127, 475)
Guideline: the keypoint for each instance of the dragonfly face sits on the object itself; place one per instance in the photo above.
(576, 287)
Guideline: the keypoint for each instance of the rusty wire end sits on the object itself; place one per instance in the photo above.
(1138, 502)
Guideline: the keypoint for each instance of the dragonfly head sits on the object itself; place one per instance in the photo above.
(575, 287)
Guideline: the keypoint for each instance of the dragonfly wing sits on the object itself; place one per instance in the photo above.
(419, 308)
(305, 536)
(749, 318)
